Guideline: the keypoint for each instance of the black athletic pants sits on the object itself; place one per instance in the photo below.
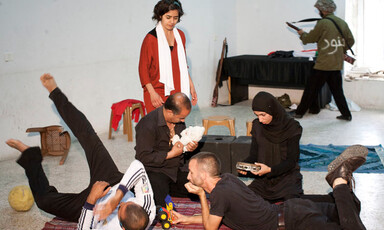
(343, 214)
(163, 185)
(101, 165)
(313, 87)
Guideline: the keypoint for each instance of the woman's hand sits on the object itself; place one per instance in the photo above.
(193, 92)
(194, 95)
(156, 99)
(242, 172)
(264, 169)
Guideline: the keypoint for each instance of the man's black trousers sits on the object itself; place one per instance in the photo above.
(313, 87)
(101, 165)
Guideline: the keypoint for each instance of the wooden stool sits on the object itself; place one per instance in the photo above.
(127, 120)
(229, 122)
(249, 127)
(54, 141)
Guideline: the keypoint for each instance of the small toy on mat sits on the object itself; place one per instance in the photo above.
(165, 214)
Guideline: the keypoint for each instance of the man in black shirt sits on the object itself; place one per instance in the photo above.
(234, 204)
(163, 161)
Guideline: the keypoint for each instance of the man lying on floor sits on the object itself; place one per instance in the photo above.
(234, 204)
(116, 207)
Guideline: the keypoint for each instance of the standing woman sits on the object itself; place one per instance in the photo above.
(163, 66)
(275, 148)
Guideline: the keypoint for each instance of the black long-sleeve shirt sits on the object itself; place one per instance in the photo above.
(153, 144)
(293, 154)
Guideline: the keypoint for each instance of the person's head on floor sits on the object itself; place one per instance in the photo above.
(176, 108)
(325, 7)
(132, 216)
(203, 167)
(168, 13)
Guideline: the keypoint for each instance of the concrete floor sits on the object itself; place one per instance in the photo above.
(367, 128)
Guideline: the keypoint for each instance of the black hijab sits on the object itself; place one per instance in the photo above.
(282, 125)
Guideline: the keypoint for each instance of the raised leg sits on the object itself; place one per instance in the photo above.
(47, 198)
(101, 165)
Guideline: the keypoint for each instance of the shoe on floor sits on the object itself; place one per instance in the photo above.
(345, 118)
(346, 163)
(314, 111)
(295, 115)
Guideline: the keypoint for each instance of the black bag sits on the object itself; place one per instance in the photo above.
(281, 54)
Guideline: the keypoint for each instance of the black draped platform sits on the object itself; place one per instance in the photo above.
(262, 70)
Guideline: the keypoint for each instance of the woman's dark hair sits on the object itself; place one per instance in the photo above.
(164, 6)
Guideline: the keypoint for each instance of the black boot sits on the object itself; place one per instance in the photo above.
(346, 163)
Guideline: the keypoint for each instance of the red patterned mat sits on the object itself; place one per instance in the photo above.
(183, 205)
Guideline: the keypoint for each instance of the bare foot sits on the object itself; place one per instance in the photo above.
(48, 82)
(16, 144)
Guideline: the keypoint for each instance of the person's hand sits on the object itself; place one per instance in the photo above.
(191, 146)
(194, 189)
(264, 169)
(156, 99)
(300, 32)
(179, 218)
(48, 82)
(102, 211)
(176, 150)
(242, 172)
(99, 189)
(193, 94)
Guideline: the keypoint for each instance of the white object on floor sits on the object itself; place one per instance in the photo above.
(293, 106)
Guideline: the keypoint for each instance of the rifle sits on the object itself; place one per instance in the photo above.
(218, 74)
(347, 58)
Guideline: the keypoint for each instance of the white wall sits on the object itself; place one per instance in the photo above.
(92, 48)
(261, 24)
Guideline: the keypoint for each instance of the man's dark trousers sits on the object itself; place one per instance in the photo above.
(314, 85)
(343, 214)
(101, 165)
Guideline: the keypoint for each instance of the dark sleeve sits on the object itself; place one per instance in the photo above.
(146, 140)
(313, 35)
(293, 154)
(253, 152)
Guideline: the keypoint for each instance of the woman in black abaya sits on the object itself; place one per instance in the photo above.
(275, 148)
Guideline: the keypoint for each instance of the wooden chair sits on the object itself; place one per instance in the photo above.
(249, 127)
(127, 120)
(54, 141)
(229, 122)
